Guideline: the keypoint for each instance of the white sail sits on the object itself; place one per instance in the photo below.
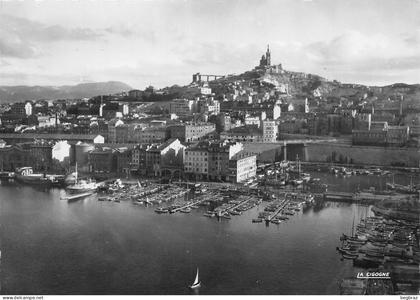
(196, 279)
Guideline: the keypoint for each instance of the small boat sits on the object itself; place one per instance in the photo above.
(186, 210)
(235, 213)
(258, 220)
(161, 210)
(196, 284)
(276, 221)
(350, 256)
(208, 215)
(342, 249)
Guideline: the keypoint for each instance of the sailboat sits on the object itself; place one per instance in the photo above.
(196, 284)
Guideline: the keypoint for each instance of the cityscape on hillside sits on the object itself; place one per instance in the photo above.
(264, 182)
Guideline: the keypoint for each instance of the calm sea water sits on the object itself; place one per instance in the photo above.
(50, 246)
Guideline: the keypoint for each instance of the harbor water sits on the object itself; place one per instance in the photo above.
(51, 246)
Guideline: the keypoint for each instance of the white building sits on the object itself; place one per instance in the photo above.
(269, 130)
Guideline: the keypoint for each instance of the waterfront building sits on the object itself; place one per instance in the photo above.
(41, 152)
(191, 132)
(123, 160)
(138, 159)
(79, 154)
(161, 159)
(210, 159)
(37, 155)
(15, 156)
(102, 160)
(242, 166)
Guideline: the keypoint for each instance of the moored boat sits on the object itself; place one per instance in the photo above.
(26, 175)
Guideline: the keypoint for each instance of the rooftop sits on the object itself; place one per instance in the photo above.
(241, 155)
(245, 130)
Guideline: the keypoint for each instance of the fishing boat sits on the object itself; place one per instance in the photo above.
(196, 284)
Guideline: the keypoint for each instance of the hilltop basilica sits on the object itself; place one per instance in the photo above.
(265, 60)
(265, 63)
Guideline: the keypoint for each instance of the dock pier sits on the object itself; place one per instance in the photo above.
(221, 212)
(174, 210)
(277, 211)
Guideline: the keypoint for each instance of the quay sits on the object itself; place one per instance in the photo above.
(76, 196)
(361, 197)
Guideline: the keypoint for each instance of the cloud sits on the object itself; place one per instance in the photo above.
(359, 52)
(13, 46)
(146, 35)
(23, 38)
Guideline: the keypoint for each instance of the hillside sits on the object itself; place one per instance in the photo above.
(22, 93)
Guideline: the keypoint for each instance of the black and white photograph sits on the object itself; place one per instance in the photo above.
(209, 147)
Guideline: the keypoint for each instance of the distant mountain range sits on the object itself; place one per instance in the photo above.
(22, 93)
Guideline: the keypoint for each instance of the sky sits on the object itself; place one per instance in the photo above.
(163, 42)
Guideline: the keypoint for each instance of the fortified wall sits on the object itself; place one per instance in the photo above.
(407, 157)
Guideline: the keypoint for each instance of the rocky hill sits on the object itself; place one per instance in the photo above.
(22, 93)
